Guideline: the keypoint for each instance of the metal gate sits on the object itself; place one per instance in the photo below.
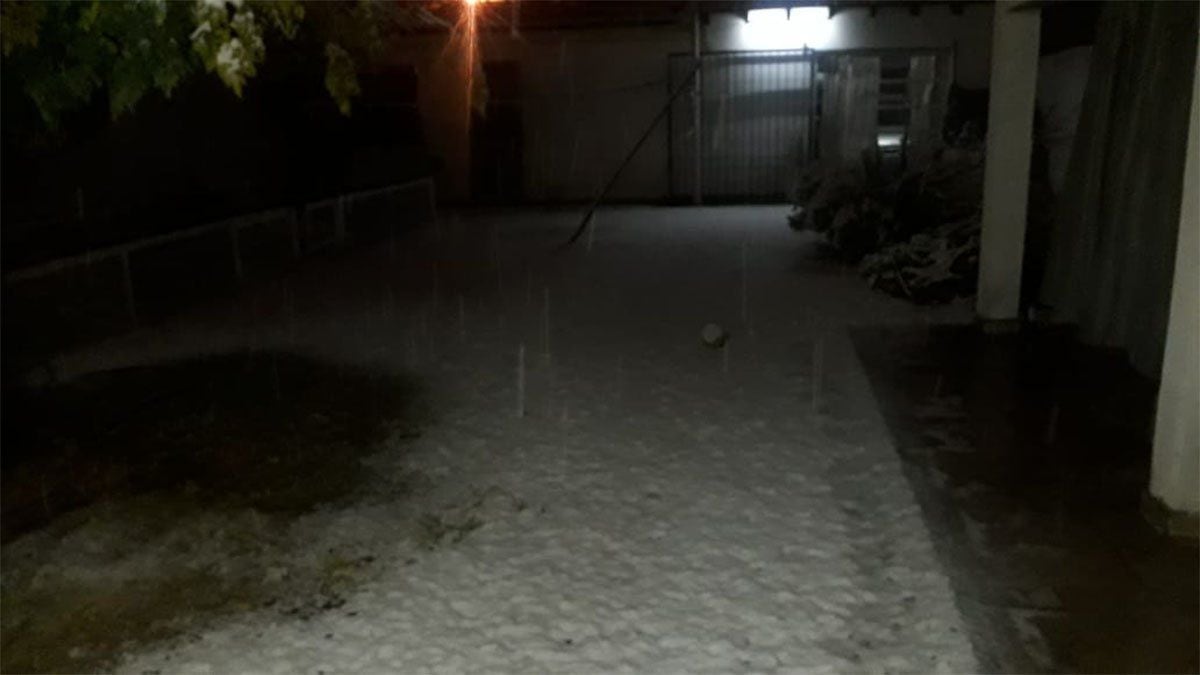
(764, 116)
(757, 114)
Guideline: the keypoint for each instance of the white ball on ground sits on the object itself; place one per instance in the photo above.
(713, 335)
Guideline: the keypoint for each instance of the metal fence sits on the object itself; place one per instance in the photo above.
(764, 116)
(757, 113)
(85, 297)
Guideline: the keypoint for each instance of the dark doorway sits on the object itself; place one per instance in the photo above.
(497, 137)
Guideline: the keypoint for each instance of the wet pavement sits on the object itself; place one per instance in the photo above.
(1029, 455)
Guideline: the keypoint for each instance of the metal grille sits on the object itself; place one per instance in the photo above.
(757, 112)
(766, 115)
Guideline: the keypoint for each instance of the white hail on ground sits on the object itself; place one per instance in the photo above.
(680, 513)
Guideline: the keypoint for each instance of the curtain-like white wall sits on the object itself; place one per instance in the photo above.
(1112, 251)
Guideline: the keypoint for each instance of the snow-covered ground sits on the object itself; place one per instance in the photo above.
(661, 506)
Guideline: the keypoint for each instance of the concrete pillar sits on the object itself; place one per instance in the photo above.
(697, 113)
(1016, 32)
(1175, 469)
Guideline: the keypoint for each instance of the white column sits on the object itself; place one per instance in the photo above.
(697, 112)
(1175, 469)
(1016, 32)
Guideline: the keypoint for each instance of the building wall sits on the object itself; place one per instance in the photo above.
(588, 95)
(611, 84)
(1175, 472)
(1111, 249)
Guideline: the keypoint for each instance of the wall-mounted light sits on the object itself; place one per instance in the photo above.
(770, 16)
(812, 25)
(782, 28)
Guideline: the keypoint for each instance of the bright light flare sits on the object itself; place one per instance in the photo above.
(465, 36)
(766, 17)
(472, 38)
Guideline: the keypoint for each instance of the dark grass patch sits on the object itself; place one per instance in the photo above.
(275, 432)
(247, 441)
(81, 629)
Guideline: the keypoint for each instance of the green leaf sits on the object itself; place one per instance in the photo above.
(341, 80)
(19, 24)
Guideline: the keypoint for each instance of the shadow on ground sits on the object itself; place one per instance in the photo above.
(1029, 455)
(201, 464)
